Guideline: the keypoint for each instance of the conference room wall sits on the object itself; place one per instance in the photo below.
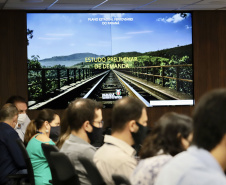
(209, 49)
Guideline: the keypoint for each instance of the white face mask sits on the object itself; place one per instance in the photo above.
(21, 118)
(23, 121)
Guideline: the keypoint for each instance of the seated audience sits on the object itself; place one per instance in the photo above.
(205, 161)
(11, 158)
(117, 156)
(171, 135)
(37, 133)
(23, 119)
(82, 115)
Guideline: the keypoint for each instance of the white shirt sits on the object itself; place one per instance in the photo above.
(115, 157)
(195, 166)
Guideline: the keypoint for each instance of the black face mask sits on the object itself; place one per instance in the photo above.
(55, 133)
(139, 136)
(96, 136)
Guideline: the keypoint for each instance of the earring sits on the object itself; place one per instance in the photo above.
(47, 131)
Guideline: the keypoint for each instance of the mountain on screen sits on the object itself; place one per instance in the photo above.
(73, 57)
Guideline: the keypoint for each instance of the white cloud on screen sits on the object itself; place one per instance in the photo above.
(139, 32)
(62, 18)
(100, 43)
(110, 15)
(188, 27)
(50, 38)
(59, 34)
(120, 38)
(174, 19)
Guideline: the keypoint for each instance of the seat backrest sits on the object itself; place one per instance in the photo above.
(65, 171)
(27, 161)
(120, 180)
(92, 171)
(46, 150)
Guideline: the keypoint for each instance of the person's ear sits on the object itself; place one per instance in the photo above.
(87, 127)
(46, 123)
(133, 126)
(184, 142)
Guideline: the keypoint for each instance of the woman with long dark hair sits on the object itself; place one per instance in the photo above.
(171, 135)
(37, 133)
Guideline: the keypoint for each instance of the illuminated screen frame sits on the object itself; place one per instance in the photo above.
(152, 46)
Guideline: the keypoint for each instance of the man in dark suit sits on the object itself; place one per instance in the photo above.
(11, 159)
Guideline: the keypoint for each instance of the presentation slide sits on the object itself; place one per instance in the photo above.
(107, 56)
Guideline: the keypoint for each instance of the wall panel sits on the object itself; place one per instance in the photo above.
(13, 57)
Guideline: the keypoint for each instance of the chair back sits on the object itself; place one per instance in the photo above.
(65, 171)
(94, 175)
(120, 180)
(27, 161)
(46, 150)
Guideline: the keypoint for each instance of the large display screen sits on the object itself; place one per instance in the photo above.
(106, 56)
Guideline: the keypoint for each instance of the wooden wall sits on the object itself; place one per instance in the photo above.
(209, 40)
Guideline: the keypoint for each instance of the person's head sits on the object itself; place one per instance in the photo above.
(210, 119)
(19, 102)
(21, 105)
(171, 134)
(9, 114)
(129, 115)
(55, 129)
(84, 114)
(45, 119)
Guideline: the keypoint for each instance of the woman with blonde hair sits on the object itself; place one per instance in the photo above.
(37, 133)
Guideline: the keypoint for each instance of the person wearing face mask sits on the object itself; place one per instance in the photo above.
(171, 135)
(129, 123)
(37, 133)
(55, 129)
(84, 117)
(11, 158)
(23, 119)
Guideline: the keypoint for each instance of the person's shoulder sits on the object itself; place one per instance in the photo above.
(113, 154)
(203, 177)
(89, 152)
(42, 138)
(156, 161)
(185, 169)
(8, 131)
(108, 150)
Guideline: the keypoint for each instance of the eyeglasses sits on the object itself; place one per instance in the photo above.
(99, 124)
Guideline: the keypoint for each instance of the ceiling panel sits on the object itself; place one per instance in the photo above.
(203, 7)
(163, 2)
(137, 5)
(71, 7)
(121, 5)
(212, 2)
(117, 7)
(159, 7)
(128, 1)
(18, 4)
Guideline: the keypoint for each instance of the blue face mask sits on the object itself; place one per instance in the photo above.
(54, 133)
